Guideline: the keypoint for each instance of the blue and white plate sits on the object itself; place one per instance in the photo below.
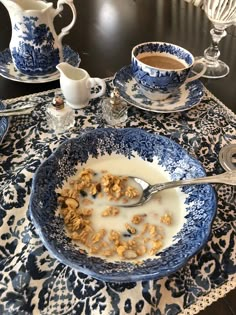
(186, 97)
(4, 124)
(8, 71)
(133, 146)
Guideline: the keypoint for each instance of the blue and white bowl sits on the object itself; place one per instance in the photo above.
(129, 144)
(158, 84)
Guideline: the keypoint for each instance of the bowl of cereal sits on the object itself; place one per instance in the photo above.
(78, 193)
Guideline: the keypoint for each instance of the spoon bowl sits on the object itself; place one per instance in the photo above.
(148, 190)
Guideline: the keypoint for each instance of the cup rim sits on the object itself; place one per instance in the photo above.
(155, 42)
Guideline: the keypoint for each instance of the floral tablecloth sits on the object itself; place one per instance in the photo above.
(33, 282)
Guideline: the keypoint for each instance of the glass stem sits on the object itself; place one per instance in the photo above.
(212, 53)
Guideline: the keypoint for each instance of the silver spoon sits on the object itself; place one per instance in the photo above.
(17, 111)
(148, 190)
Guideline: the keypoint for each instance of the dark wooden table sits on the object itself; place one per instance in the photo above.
(106, 31)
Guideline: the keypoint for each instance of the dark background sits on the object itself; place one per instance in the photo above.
(106, 31)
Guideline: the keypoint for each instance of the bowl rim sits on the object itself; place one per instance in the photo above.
(112, 277)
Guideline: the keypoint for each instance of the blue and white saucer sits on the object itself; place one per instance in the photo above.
(8, 71)
(186, 97)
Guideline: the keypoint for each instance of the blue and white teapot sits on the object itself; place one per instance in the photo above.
(35, 47)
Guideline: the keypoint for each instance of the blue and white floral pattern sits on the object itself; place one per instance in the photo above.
(35, 53)
(8, 70)
(4, 123)
(160, 81)
(165, 48)
(200, 201)
(33, 282)
(182, 99)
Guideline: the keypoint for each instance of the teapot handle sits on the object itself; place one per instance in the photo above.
(65, 30)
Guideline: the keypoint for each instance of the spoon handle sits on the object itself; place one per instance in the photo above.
(17, 111)
(228, 178)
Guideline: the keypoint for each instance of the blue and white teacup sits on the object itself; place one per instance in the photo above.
(160, 68)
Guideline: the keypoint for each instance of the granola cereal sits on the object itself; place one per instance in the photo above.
(77, 208)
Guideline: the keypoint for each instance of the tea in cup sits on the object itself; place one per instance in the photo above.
(160, 68)
(76, 85)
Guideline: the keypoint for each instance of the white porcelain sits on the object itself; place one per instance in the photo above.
(35, 47)
(76, 85)
(158, 83)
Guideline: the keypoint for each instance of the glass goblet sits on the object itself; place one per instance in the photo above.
(222, 14)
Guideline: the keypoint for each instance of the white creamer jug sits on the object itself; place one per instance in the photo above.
(76, 85)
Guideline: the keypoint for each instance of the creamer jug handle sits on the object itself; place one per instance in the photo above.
(65, 30)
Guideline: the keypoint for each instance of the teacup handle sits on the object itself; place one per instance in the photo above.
(199, 75)
(65, 30)
(100, 82)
